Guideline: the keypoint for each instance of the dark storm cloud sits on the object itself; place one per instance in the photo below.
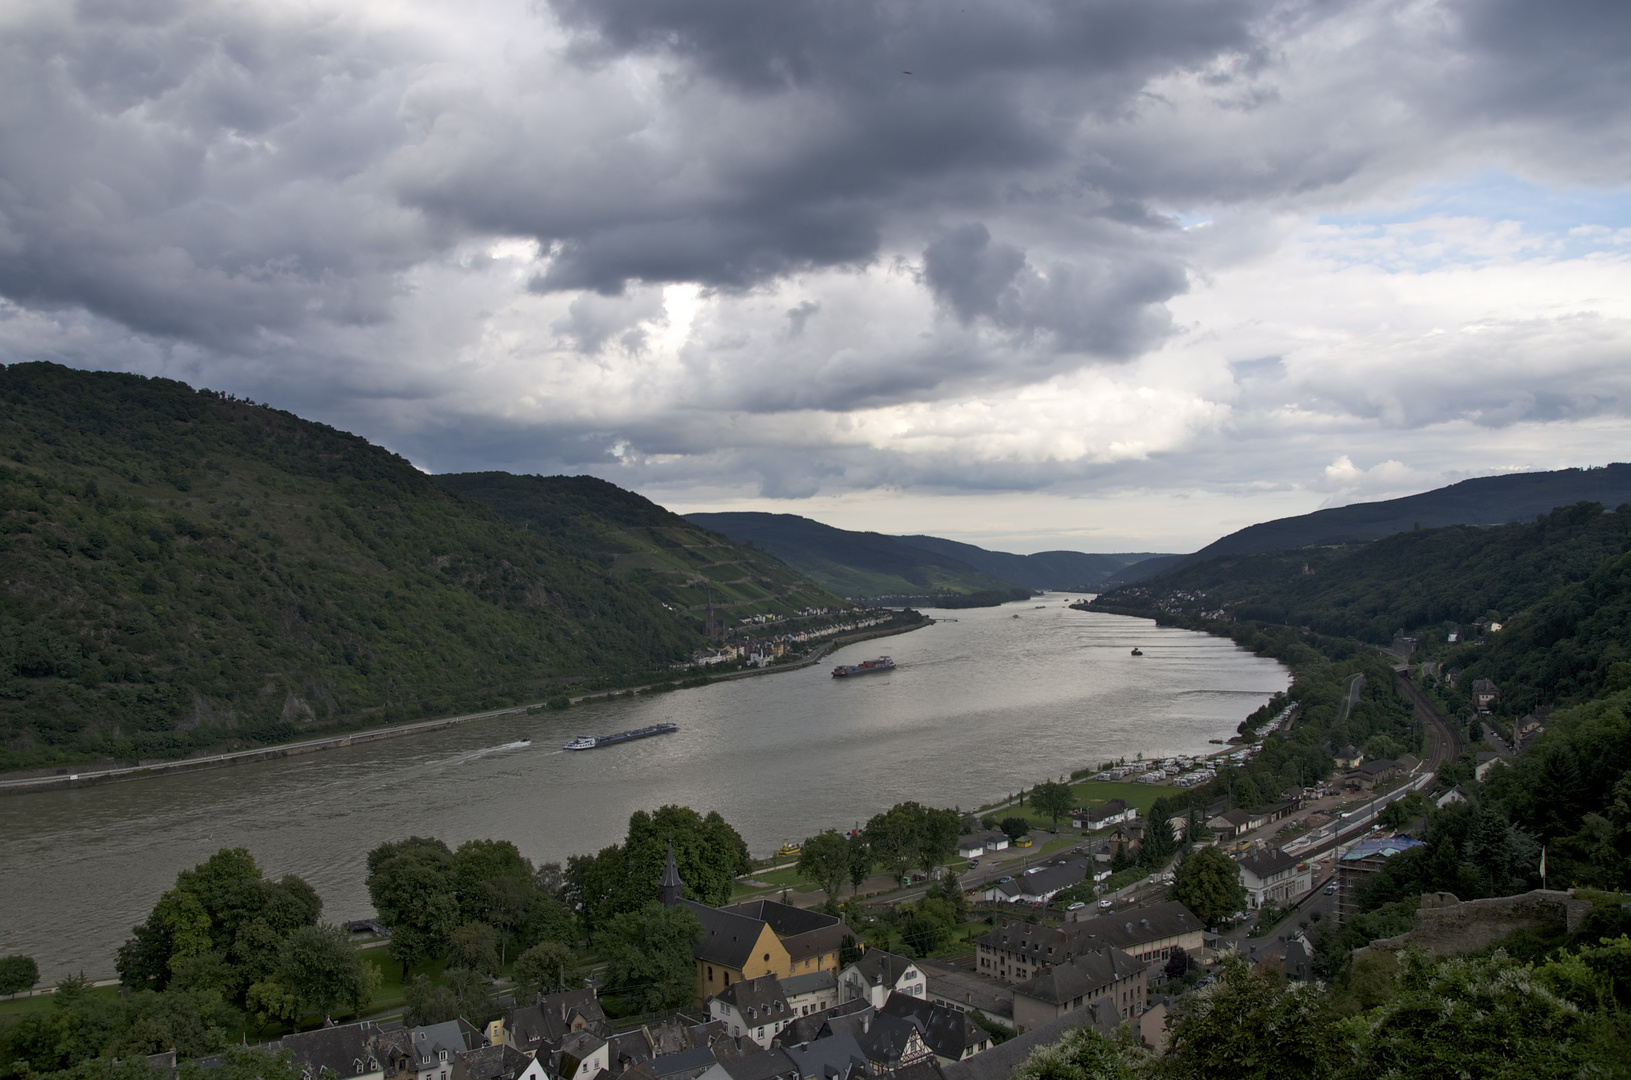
(1110, 308)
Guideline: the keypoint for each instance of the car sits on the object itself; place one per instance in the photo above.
(1105, 905)
(1005, 879)
(1077, 906)
(1330, 889)
(973, 863)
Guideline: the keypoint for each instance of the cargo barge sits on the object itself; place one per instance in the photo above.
(591, 742)
(865, 667)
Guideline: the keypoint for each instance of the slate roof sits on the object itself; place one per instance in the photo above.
(803, 933)
(887, 1039)
(764, 1065)
(501, 1062)
(947, 1032)
(829, 1059)
(728, 936)
(687, 1063)
(340, 1049)
(999, 1062)
(881, 968)
(757, 999)
(550, 1020)
(1046, 879)
(454, 1036)
(847, 1018)
(1238, 818)
(812, 983)
(1084, 974)
(1267, 862)
(1133, 927)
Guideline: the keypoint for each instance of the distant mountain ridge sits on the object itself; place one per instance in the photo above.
(1055, 570)
(859, 564)
(1483, 500)
(873, 565)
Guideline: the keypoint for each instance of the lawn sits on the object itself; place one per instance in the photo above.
(43, 1002)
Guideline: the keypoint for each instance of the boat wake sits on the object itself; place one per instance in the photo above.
(465, 759)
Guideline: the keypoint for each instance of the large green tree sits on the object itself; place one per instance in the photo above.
(1250, 1026)
(18, 973)
(709, 853)
(1208, 883)
(323, 971)
(223, 918)
(547, 967)
(649, 962)
(824, 858)
(1053, 799)
(414, 886)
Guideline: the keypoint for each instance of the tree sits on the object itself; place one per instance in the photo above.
(1015, 827)
(1178, 964)
(1159, 844)
(509, 900)
(1208, 883)
(892, 837)
(322, 971)
(547, 967)
(709, 853)
(1082, 1054)
(469, 994)
(1490, 1016)
(1053, 799)
(824, 859)
(860, 860)
(924, 926)
(474, 946)
(477, 862)
(649, 961)
(429, 1003)
(18, 973)
(1250, 1026)
(414, 886)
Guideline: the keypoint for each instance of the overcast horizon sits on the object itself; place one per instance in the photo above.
(1030, 275)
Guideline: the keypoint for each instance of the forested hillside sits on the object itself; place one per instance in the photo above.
(1058, 570)
(1481, 501)
(864, 564)
(181, 570)
(1417, 581)
(681, 563)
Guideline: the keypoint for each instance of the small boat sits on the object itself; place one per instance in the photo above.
(1016, 616)
(1137, 651)
(865, 667)
(789, 850)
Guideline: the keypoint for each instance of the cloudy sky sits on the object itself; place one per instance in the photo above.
(1029, 273)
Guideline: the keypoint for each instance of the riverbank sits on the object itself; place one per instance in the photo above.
(91, 777)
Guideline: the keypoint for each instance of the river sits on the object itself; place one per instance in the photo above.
(977, 708)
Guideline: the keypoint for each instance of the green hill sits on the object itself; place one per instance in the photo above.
(1417, 581)
(1059, 570)
(1483, 500)
(680, 563)
(185, 571)
(864, 565)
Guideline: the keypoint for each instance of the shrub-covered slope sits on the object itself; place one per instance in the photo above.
(179, 570)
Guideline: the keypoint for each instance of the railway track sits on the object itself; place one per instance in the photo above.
(1444, 742)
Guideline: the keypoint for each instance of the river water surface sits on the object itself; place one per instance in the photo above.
(978, 707)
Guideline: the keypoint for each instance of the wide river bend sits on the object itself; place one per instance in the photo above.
(978, 708)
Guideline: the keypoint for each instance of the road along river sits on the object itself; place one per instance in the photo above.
(977, 708)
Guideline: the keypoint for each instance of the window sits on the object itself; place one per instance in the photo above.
(710, 973)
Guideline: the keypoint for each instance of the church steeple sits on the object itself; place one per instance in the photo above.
(670, 890)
